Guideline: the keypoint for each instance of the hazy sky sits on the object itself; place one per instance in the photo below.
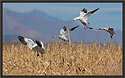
(109, 14)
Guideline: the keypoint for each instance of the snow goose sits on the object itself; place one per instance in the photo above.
(33, 45)
(84, 16)
(109, 30)
(64, 32)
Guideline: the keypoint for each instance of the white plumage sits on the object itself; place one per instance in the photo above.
(33, 45)
(64, 32)
(84, 16)
(109, 30)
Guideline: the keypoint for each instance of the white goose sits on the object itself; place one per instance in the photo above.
(109, 30)
(84, 16)
(64, 32)
(33, 45)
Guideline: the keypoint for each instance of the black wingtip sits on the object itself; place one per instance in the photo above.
(76, 26)
(111, 37)
(38, 43)
(94, 10)
(21, 39)
(84, 10)
(65, 28)
(98, 8)
(90, 28)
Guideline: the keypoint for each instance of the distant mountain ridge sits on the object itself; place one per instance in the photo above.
(36, 12)
(39, 25)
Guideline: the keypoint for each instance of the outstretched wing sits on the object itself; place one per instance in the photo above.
(111, 35)
(90, 28)
(22, 40)
(39, 49)
(27, 42)
(38, 43)
(109, 30)
(71, 29)
(35, 46)
(102, 28)
(83, 12)
(89, 13)
(63, 37)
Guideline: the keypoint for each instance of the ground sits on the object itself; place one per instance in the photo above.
(63, 59)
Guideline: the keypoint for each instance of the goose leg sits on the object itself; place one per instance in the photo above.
(84, 27)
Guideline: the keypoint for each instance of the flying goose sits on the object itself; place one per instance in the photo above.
(84, 16)
(64, 32)
(33, 45)
(109, 30)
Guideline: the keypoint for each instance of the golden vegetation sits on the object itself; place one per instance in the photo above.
(63, 59)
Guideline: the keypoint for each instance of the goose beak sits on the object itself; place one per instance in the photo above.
(73, 20)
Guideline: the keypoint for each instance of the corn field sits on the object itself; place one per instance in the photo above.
(63, 59)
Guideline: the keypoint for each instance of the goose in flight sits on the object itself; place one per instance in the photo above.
(84, 16)
(33, 45)
(109, 30)
(64, 32)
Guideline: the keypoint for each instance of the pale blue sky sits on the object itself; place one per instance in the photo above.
(109, 14)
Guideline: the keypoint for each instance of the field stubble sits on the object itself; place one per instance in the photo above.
(63, 59)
